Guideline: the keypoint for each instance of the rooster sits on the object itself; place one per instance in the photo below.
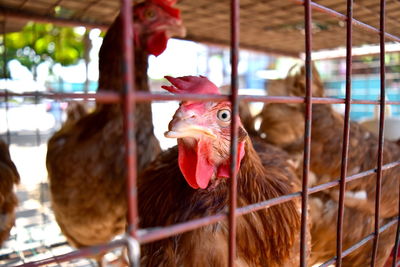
(192, 181)
(85, 158)
(8, 200)
(283, 125)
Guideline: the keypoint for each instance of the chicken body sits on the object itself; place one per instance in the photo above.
(283, 125)
(356, 226)
(326, 146)
(269, 237)
(8, 200)
(85, 158)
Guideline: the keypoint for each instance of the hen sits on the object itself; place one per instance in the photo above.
(85, 158)
(283, 125)
(8, 200)
(192, 181)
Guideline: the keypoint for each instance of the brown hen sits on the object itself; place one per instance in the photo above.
(283, 125)
(8, 200)
(85, 158)
(269, 237)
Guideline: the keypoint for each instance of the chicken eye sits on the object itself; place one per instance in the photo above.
(224, 115)
(149, 14)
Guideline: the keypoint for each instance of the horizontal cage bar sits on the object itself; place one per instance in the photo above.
(113, 97)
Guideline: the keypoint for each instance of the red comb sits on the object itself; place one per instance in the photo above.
(191, 84)
(167, 6)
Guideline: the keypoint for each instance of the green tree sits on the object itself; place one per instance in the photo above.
(37, 43)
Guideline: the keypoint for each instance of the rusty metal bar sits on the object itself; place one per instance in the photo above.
(129, 117)
(381, 128)
(84, 252)
(307, 134)
(235, 18)
(333, 13)
(396, 243)
(361, 243)
(153, 234)
(148, 235)
(346, 135)
(25, 15)
(351, 178)
(114, 97)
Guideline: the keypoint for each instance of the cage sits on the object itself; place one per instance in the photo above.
(291, 28)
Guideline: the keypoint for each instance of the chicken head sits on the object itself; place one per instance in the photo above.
(155, 21)
(204, 133)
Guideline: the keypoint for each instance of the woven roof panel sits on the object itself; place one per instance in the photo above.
(266, 25)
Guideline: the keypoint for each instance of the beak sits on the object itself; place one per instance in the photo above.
(174, 28)
(181, 127)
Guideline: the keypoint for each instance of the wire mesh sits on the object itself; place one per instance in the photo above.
(130, 96)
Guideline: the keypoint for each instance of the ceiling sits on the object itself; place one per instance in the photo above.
(274, 26)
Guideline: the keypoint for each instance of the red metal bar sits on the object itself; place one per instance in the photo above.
(114, 97)
(129, 117)
(396, 244)
(234, 129)
(381, 128)
(351, 178)
(307, 134)
(361, 243)
(148, 235)
(25, 15)
(346, 135)
(153, 234)
(333, 13)
(84, 252)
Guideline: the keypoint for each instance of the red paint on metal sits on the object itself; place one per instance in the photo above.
(346, 135)
(234, 129)
(129, 117)
(333, 13)
(114, 97)
(307, 134)
(361, 243)
(381, 128)
(85, 252)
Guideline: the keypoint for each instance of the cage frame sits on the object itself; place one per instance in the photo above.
(135, 236)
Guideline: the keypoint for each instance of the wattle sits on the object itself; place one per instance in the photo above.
(194, 164)
(157, 43)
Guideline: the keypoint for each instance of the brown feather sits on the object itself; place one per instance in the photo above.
(283, 125)
(8, 200)
(269, 237)
(86, 158)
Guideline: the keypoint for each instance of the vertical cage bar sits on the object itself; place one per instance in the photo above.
(381, 128)
(234, 129)
(396, 244)
(346, 134)
(307, 134)
(129, 108)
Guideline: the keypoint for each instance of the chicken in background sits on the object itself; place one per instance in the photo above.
(356, 226)
(86, 157)
(8, 200)
(283, 125)
(326, 145)
(191, 181)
